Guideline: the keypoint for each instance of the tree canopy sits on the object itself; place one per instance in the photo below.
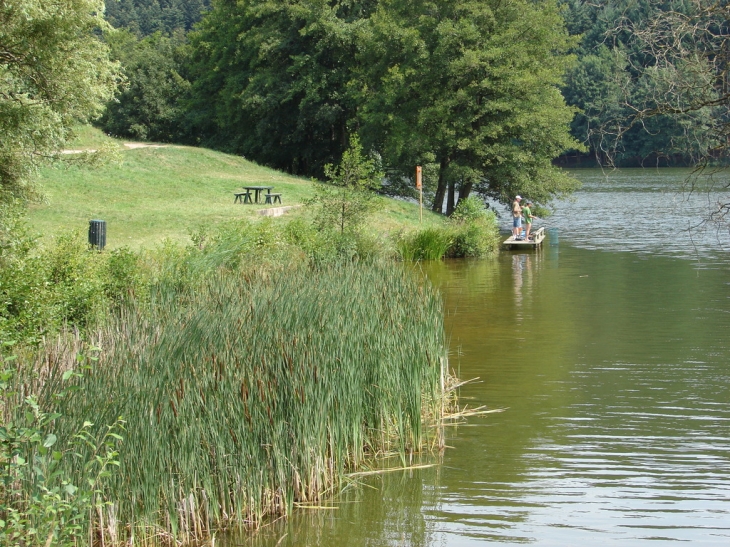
(472, 86)
(615, 75)
(54, 73)
(145, 17)
(468, 86)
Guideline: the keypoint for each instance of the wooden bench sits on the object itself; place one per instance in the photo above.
(272, 198)
(242, 197)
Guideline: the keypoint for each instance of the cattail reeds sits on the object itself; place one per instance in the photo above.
(244, 396)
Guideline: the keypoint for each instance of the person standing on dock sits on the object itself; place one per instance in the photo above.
(516, 217)
(527, 214)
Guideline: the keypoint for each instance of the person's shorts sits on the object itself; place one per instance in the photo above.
(517, 222)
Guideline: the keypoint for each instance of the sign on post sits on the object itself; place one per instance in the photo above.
(419, 185)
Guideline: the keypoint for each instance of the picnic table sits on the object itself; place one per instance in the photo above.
(257, 191)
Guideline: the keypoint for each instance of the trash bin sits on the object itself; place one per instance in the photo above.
(97, 233)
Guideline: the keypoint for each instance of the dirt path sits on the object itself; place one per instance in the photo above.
(127, 145)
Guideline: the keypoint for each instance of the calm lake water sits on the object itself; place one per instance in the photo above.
(609, 352)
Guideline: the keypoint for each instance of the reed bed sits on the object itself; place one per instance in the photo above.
(251, 393)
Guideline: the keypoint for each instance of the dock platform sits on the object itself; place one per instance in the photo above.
(536, 239)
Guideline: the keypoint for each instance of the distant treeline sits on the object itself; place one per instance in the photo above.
(485, 95)
(144, 17)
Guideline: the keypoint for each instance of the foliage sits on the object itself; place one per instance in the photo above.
(293, 369)
(472, 232)
(150, 107)
(342, 206)
(686, 82)
(472, 87)
(279, 95)
(475, 230)
(468, 86)
(617, 77)
(145, 17)
(64, 284)
(39, 505)
(54, 72)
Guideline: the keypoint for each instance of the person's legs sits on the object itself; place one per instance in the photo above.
(527, 230)
(517, 227)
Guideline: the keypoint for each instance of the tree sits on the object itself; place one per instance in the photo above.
(54, 73)
(684, 82)
(610, 76)
(271, 80)
(468, 85)
(472, 86)
(343, 204)
(151, 105)
(145, 17)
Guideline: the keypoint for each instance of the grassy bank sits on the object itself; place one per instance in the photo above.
(155, 193)
(252, 361)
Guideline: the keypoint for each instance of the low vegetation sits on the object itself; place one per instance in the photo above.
(268, 362)
(161, 393)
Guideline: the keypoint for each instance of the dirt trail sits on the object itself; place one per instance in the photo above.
(127, 145)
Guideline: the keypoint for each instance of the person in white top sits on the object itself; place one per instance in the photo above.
(516, 217)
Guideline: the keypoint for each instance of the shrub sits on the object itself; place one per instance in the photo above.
(475, 230)
(63, 283)
(39, 504)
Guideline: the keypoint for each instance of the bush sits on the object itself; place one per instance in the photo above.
(64, 283)
(472, 232)
(39, 505)
(475, 230)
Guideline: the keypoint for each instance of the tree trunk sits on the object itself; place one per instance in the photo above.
(464, 191)
(438, 198)
(450, 198)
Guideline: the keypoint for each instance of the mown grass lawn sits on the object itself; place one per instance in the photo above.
(166, 192)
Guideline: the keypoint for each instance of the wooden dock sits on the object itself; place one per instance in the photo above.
(536, 239)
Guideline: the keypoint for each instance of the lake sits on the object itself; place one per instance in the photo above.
(608, 349)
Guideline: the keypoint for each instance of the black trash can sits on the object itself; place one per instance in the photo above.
(97, 233)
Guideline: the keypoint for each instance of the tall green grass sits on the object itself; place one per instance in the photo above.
(253, 390)
(471, 232)
(427, 244)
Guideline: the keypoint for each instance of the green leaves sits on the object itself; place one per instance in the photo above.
(471, 87)
(54, 73)
(342, 205)
(39, 503)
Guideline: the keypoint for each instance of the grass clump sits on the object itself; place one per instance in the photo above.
(428, 244)
(472, 232)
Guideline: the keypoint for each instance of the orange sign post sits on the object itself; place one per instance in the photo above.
(419, 185)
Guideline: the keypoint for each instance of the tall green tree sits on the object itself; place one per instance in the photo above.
(55, 72)
(472, 86)
(152, 104)
(271, 80)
